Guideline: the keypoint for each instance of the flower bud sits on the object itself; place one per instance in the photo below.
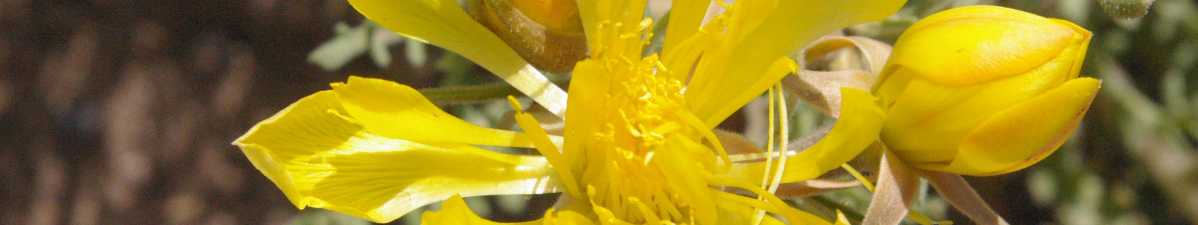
(546, 33)
(983, 90)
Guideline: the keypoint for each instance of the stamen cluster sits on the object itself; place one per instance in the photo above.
(623, 175)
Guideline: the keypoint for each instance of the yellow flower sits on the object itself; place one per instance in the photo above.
(984, 90)
(638, 145)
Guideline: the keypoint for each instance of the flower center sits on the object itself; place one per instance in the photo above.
(638, 153)
(625, 171)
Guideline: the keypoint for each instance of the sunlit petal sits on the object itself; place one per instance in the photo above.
(320, 159)
(690, 189)
(1002, 144)
(445, 24)
(983, 90)
(741, 214)
(966, 46)
(454, 211)
(781, 67)
(567, 216)
(960, 108)
(682, 57)
(398, 111)
(591, 84)
(760, 32)
(685, 18)
(547, 148)
(859, 123)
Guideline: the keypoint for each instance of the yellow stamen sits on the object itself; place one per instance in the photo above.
(785, 127)
(545, 146)
(771, 183)
(864, 182)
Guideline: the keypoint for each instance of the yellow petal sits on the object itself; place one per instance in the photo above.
(891, 84)
(841, 219)
(1081, 39)
(780, 68)
(739, 209)
(445, 24)
(681, 58)
(319, 159)
(685, 18)
(1004, 143)
(587, 10)
(927, 120)
(567, 216)
(979, 43)
(588, 92)
(547, 148)
(685, 185)
(761, 32)
(454, 211)
(741, 214)
(857, 128)
(398, 111)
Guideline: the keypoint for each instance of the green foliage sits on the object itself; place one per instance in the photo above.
(368, 37)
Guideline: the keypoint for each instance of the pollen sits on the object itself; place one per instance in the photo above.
(645, 156)
(625, 174)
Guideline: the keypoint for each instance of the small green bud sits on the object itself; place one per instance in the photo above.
(1125, 9)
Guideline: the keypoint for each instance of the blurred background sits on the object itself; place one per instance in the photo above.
(121, 112)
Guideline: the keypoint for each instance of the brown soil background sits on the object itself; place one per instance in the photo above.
(121, 112)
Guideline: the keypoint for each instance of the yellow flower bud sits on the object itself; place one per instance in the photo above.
(983, 90)
(546, 33)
